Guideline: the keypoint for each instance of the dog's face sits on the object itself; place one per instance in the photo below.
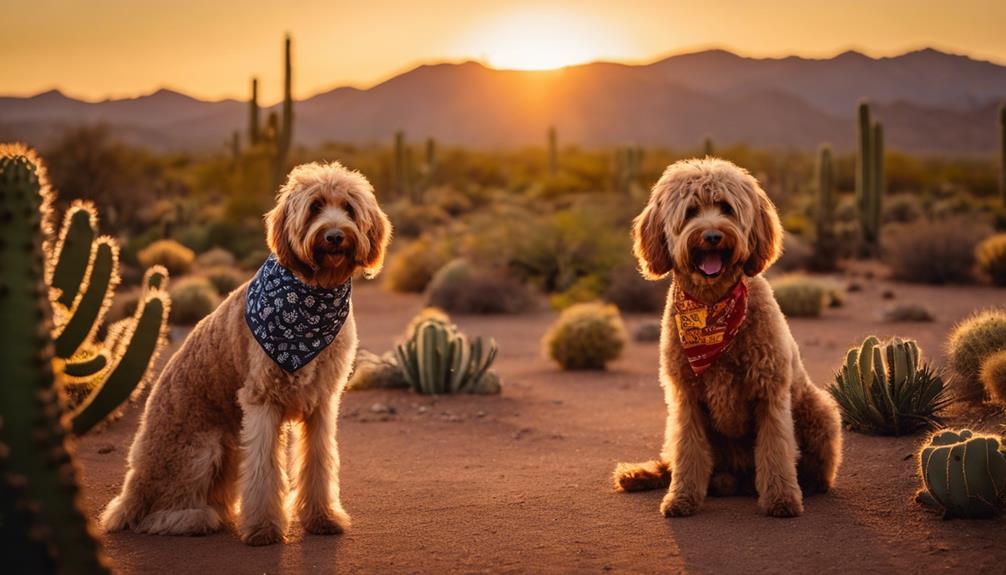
(327, 225)
(709, 222)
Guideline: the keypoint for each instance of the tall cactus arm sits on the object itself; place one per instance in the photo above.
(86, 368)
(72, 253)
(92, 303)
(43, 529)
(127, 376)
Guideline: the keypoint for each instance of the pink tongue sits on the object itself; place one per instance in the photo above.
(711, 263)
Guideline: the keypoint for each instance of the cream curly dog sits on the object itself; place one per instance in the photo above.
(743, 417)
(211, 446)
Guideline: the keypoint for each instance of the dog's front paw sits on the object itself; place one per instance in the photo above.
(326, 522)
(679, 505)
(782, 505)
(263, 534)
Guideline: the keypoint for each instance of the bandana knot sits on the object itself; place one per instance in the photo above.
(705, 331)
(292, 321)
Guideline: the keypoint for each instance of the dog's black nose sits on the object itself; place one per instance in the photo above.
(712, 237)
(335, 237)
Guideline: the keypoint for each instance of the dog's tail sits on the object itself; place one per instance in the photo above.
(654, 474)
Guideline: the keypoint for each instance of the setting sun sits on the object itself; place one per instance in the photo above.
(543, 41)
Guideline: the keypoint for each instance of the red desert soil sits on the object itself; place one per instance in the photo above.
(520, 483)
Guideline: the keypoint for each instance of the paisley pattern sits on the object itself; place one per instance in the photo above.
(292, 321)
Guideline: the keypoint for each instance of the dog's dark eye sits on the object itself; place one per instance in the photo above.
(315, 206)
(350, 212)
(725, 209)
(691, 212)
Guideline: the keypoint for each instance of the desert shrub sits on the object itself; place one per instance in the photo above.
(631, 292)
(991, 257)
(586, 336)
(412, 268)
(936, 252)
(970, 343)
(215, 257)
(168, 253)
(225, 279)
(254, 259)
(460, 287)
(192, 299)
(412, 221)
(993, 376)
(796, 254)
(886, 389)
(902, 208)
(584, 289)
(374, 371)
(907, 311)
(647, 331)
(800, 296)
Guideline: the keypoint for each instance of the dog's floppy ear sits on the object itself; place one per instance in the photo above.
(278, 239)
(650, 242)
(378, 235)
(765, 240)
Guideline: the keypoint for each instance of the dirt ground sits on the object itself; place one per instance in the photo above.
(521, 483)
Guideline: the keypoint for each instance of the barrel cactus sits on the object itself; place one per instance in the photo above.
(886, 389)
(42, 528)
(964, 474)
(586, 336)
(439, 359)
(971, 342)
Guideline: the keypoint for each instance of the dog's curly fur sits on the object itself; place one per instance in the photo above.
(211, 446)
(753, 422)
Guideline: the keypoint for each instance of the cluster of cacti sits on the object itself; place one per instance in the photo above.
(870, 179)
(973, 342)
(799, 296)
(82, 274)
(628, 162)
(439, 359)
(553, 152)
(586, 336)
(963, 474)
(886, 389)
(42, 527)
(990, 255)
(825, 243)
(278, 135)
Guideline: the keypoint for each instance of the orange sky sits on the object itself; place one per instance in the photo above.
(99, 48)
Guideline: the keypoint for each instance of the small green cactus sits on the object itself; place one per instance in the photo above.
(886, 389)
(970, 343)
(42, 529)
(964, 474)
(586, 336)
(439, 359)
(993, 376)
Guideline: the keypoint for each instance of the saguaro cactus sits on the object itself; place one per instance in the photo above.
(707, 147)
(869, 178)
(401, 170)
(254, 133)
(626, 171)
(284, 134)
(825, 248)
(42, 528)
(553, 151)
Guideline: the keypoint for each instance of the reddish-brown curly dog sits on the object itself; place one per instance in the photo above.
(211, 446)
(743, 417)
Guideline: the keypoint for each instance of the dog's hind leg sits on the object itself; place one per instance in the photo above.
(819, 435)
(262, 477)
(654, 474)
(317, 465)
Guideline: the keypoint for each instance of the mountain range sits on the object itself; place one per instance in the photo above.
(930, 102)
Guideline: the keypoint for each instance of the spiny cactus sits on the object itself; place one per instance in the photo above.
(886, 389)
(253, 115)
(825, 246)
(993, 376)
(429, 168)
(586, 336)
(869, 179)
(964, 474)
(971, 342)
(990, 255)
(42, 528)
(553, 152)
(439, 359)
(115, 368)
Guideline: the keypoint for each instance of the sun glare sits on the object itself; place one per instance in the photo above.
(540, 41)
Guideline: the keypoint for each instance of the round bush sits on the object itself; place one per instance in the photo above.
(799, 296)
(586, 336)
(225, 279)
(993, 376)
(459, 287)
(937, 252)
(631, 292)
(168, 253)
(215, 257)
(411, 269)
(192, 299)
(971, 342)
(907, 312)
(991, 257)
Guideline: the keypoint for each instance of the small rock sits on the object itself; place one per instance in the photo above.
(853, 287)
(480, 414)
(887, 294)
(106, 449)
(382, 408)
(422, 409)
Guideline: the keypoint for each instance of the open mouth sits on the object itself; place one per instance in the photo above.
(710, 263)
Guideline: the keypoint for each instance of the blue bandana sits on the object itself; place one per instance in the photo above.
(292, 321)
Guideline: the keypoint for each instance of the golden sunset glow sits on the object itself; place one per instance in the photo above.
(542, 41)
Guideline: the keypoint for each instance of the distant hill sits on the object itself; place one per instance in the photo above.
(930, 102)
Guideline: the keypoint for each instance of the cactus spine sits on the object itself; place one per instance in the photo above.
(964, 474)
(553, 152)
(43, 529)
(869, 178)
(254, 134)
(439, 359)
(825, 248)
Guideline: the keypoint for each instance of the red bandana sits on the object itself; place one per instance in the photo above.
(706, 330)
